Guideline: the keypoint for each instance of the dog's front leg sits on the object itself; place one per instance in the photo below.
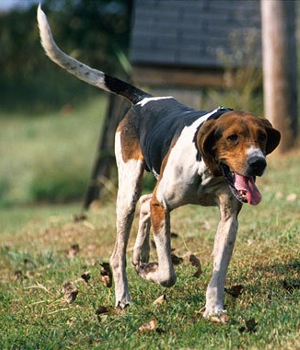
(223, 248)
(163, 272)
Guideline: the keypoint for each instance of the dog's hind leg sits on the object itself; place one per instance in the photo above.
(141, 249)
(163, 271)
(130, 178)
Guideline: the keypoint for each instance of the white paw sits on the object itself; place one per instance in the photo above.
(123, 304)
(213, 310)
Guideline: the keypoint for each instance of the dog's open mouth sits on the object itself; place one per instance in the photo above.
(243, 187)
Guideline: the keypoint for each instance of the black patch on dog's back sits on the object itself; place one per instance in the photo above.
(159, 122)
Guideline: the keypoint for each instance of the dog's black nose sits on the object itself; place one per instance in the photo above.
(257, 165)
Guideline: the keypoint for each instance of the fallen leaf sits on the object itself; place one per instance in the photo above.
(17, 275)
(73, 250)
(69, 291)
(290, 287)
(160, 300)
(103, 310)
(79, 217)
(176, 260)
(106, 275)
(28, 261)
(221, 318)
(148, 327)
(196, 263)
(251, 325)
(86, 276)
(235, 290)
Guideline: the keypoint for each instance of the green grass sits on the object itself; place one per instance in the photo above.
(35, 246)
(49, 157)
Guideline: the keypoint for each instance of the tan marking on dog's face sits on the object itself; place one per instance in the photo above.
(130, 144)
(237, 137)
(229, 139)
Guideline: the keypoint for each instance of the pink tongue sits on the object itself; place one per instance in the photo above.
(245, 183)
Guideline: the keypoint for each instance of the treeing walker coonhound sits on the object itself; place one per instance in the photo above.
(197, 157)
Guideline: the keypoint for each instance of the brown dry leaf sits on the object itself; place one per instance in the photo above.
(103, 310)
(289, 286)
(221, 318)
(148, 327)
(69, 291)
(235, 290)
(176, 260)
(160, 300)
(73, 250)
(251, 325)
(106, 275)
(17, 275)
(79, 217)
(196, 263)
(86, 276)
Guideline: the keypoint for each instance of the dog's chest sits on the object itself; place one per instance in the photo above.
(186, 178)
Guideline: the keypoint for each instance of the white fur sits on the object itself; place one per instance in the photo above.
(182, 168)
(150, 99)
(80, 70)
(254, 152)
(223, 248)
(130, 175)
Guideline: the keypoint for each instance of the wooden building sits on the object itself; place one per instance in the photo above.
(183, 46)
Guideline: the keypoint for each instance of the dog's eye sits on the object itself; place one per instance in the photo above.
(232, 137)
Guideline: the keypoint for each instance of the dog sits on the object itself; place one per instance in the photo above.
(197, 157)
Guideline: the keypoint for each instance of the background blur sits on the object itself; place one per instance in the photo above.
(50, 121)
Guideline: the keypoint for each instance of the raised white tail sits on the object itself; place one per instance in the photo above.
(82, 71)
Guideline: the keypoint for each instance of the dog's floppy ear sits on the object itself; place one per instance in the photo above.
(206, 142)
(273, 136)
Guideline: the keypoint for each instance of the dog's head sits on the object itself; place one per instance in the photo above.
(235, 146)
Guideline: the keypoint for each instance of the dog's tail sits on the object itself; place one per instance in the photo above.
(82, 71)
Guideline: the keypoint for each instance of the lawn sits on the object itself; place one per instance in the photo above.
(44, 246)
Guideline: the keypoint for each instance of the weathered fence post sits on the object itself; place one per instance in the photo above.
(280, 68)
(105, 158)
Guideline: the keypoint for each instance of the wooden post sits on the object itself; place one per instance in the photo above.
(280, 68)
(105, 158)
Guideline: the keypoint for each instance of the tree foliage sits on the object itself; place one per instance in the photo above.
(91, 31)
